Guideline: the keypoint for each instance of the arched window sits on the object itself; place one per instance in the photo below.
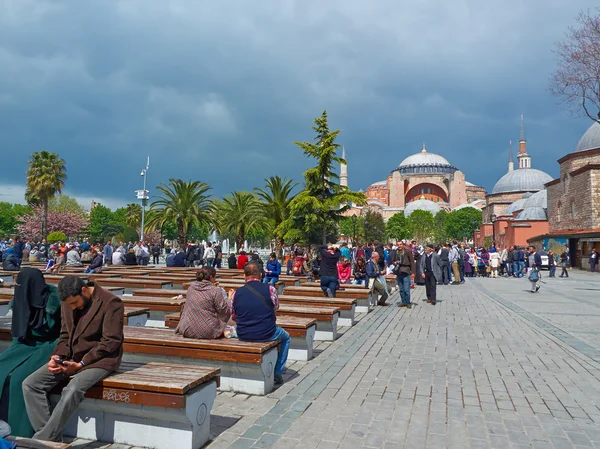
(572, 209)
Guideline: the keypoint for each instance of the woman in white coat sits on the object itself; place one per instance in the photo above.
(494, 263)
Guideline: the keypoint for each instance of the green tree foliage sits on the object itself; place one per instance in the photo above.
(323, 201)
(200, 232)
(461, 223)
(440, 234)
(67, 203)
(422, 225)
(56, 236)
(276, 197)
(130, 235)
(240, 212)
(9, 214)
(184, 203)
(133, 215)
(102, 224)
(346, 227)
(169, 230)
(398, 227)
(45, 178)
(374, 226)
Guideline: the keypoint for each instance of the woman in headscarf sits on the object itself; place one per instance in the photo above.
(35, 328)
(419, 280)
(10, 261)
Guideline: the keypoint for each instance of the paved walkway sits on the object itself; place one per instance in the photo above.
(490, 366)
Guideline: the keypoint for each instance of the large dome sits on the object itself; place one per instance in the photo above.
(522, 180)
(590, 140)
(421, 205)
(425, 162)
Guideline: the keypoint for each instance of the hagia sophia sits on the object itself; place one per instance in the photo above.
(517, 210)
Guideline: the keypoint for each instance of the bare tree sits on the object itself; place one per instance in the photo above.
(577, 77)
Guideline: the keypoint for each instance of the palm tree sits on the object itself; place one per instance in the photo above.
(276, 203)
(45, 178)
(181, 202)
(133, 215)
(241, 212)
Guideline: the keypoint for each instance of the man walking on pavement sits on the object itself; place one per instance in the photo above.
(445, 259)
(453, 258)
(535, 264)
(431, 267)
(405, 270)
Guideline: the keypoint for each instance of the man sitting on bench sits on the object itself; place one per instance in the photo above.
(89, 348)
(254, 307)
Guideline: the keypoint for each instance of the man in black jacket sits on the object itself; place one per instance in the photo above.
(328, 269)
(445, 259)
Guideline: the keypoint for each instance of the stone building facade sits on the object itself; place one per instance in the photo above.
(574, 200)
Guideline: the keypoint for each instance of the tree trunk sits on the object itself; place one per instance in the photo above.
(45, 219)
(324, 234)
(181, 234)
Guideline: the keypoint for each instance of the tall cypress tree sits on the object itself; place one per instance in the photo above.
(323, 201)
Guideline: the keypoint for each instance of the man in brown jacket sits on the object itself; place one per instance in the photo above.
(89, 348)
(405, 270)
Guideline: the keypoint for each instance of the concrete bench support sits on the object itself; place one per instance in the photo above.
(248, 378)
(301, 347)
(327, 330)
(146, 426)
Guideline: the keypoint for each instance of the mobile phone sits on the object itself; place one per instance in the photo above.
(60, 360)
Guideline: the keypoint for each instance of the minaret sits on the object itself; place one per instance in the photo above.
(344, 170)
(511, 163)
(523, 157)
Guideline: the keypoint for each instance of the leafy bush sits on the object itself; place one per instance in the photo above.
(56, 236)
(130, 235)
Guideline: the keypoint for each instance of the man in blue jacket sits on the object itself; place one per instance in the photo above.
(272, 270)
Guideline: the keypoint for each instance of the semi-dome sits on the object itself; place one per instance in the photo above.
(590, 140)
(425, 162)
(421, 204)
(378, 183)
(521, 180)
(516, 206)
(463, 206)
(538, 199)
(532, 213)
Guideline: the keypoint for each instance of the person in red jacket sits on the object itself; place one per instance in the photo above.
(344, 270)
(242, 260)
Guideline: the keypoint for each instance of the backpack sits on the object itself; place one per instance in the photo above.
(298, 266)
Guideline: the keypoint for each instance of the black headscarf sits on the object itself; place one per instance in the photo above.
(29, 302)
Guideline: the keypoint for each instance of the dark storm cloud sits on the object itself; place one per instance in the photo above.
(217, 92)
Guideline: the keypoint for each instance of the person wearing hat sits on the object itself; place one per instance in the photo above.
(431, 269)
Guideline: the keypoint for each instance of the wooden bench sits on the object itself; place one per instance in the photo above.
(158, 307)
(245, 367)
(155, 405)
(4, 306)
(301, 330)
(365, 299)
(326, 318)
(347, 306)
(135, 284)
(160, 292)
(177, 281)
(8, 276)
(27, 443)
(136, 316)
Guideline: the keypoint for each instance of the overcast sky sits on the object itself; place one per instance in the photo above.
(218, 91)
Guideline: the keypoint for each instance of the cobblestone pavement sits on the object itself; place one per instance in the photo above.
(490, 366)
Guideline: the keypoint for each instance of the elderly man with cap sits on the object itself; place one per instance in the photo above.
(405, 270)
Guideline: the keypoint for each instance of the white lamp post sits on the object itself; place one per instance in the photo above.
(143, 195)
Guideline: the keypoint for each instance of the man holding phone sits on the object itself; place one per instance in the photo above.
(89, 348)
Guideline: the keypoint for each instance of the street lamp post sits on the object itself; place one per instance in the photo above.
(143, 195)
(493, 218)
(354, 218)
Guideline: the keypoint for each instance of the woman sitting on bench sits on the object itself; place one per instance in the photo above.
(35, 329)
(207, 308)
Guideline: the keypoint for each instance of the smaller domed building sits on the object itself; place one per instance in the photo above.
(516, 209)
(574, 201)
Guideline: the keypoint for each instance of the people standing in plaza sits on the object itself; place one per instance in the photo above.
(374, 276)
(564, 262)
(155, 253)
(95, 316)
(494, 263)
(108, 252)
(444, 254)
(551, 264)
(484, 263)
(330, 257)
(210, 255)
(431, 267)
(593, 260)
(535, 265)
(453, 257)
(254, 306)
(405, 272)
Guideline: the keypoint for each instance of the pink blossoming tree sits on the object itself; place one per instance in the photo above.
(72, 224)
